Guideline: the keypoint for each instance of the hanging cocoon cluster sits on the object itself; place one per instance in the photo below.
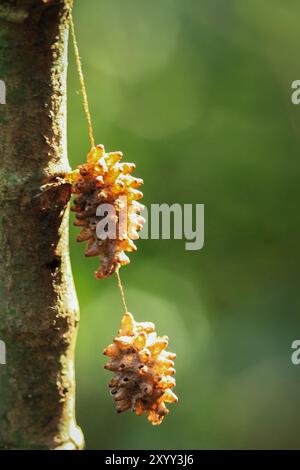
(103, 179)
(143, 370)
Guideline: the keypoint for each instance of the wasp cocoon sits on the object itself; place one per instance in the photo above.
(142, 370)
(104, 180)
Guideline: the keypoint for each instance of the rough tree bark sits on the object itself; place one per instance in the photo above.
(38, 305)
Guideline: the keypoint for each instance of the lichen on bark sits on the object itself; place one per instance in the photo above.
(38, 305)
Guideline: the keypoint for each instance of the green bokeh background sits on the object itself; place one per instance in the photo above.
(197, 94)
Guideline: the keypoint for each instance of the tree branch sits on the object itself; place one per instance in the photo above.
(38, 305)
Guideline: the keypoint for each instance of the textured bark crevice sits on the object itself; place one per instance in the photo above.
(38, 305)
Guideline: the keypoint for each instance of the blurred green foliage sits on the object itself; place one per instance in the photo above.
(197, 94)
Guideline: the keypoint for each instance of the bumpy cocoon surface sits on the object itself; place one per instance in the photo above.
(104, 180)
(143, 370)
